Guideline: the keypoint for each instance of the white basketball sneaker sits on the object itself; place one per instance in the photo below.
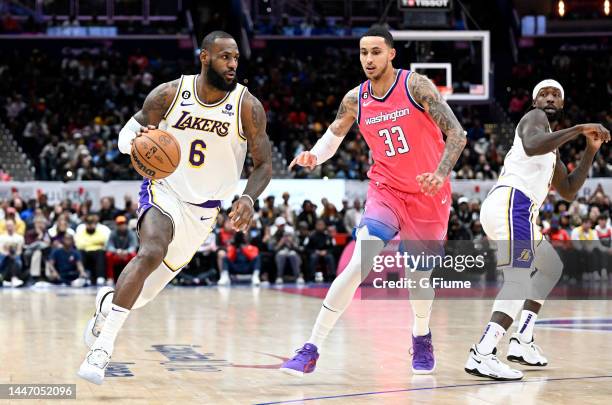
(255, 281)
(95, 324)
(93, 367)
(489, 366)
(528, 354)
(224, 280)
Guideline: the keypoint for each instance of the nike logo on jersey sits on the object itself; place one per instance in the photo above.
(367, 104)
(184, 104)
(204, 218)
(188, 121)
(444, 200)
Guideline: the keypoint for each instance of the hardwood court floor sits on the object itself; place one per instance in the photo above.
(218, 346)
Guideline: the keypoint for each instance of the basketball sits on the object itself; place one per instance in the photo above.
(156, 154)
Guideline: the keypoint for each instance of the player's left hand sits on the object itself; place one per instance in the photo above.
(241, 214)
(430, 183)
(594, 143)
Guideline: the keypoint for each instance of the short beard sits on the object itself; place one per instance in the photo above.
(556, 116)
(216, 80)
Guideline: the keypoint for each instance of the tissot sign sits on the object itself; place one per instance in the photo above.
(424, 4)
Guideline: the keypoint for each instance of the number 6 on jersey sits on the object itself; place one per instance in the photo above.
(196, 154)
(400, 137)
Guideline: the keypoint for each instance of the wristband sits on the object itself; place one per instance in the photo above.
(250, 198)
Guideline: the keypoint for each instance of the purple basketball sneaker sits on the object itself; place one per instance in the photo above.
(304, 361)
(423, 360)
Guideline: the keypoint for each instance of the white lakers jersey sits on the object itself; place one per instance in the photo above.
(213, 147)
(532, 175)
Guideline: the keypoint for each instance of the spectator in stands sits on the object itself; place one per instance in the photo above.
(319, 248)
(66, 264)
(308, 214)
(477, 231)
(225, 235)
(352, 217)
(11, 214)
(332, 219)
(11, 247)
(604, 230)
(285, 210)
(107, 212)
(565, 223)
(201, 270)
(269, 211)
(242, 258)
(120, 248)
(585, 240)
(129, 210)
(56, 232)
(37, 244)
(91, 238)
(457, 230)
(463, 210)
(557, 235)
(517, 106)
(28, 213)
(604, 234)
(4, 176)
(283, 243)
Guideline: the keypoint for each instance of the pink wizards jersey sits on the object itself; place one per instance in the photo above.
(404, 140)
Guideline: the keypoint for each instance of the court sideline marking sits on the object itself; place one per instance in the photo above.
(432, 388)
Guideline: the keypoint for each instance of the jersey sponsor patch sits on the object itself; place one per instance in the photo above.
(227, 110)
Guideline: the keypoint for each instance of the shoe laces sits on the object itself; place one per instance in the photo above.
(303, 351)
(423, 344)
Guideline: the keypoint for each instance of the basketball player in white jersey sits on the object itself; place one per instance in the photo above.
(214, 119)
(508, 216)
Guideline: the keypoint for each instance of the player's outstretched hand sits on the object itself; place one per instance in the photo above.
(304, 159)
(143, 130)
(430, 183)
(596, 131)
(594, 143)
(241, 214)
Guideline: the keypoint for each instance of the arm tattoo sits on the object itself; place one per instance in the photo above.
(347, 113)
(157, 103)
(259, 146)
(428, 96)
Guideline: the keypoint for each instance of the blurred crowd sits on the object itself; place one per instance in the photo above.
(101, 87)
(71, 243)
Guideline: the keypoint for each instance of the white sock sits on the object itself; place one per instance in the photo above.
(325, 322)
(114, 321)
(343, 288)
(107, 303)
(526, 324)
(490, 338)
